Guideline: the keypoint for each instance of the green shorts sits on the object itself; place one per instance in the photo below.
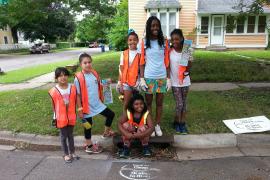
(156, 85)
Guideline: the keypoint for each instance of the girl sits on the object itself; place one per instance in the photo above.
(154, 68)
(64, 106)
(180, 78)
(136, 123)
(129, 68)
(89, 101)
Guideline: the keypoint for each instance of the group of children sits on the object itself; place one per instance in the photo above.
(151, 66)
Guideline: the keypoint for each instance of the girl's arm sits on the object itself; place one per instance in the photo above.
(148, 131)
(189, 66)
(123, 131)
(142, 71)
(79, 106)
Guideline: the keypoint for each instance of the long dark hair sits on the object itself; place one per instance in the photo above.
(134, 98)
(148, 32)
(179, 32)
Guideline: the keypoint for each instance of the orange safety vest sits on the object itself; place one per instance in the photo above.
(130, 73)
(166, 54)
(84, 92)
(65, 115)
(142, 121)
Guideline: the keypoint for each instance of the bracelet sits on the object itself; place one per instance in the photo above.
(80, 109)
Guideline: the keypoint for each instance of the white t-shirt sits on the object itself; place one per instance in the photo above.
(65, 94)
(175, 57)
(132, 55)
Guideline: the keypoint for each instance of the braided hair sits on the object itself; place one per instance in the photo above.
(179, 32)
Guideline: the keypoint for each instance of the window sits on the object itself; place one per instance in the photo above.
(168, 19)
(261, 24)
(163, 21)
(230, 24)
(251, 24)
(240, 26)
(153, 14)
(6, 39)
(204, 25)
(172, 22)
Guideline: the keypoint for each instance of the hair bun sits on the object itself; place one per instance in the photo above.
(131, 31)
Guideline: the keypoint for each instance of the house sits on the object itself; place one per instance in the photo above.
(209, 23)
(6, 36)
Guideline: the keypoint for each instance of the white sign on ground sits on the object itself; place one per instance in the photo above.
(248, 125)
(138, 172)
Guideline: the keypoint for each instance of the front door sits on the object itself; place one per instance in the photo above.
(217, 30)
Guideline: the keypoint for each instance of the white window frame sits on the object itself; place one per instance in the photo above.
(245, 27)
(167, 11)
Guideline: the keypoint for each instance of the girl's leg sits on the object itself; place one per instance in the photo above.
(149, 99)
(63, 137)
(184, 101)
(178, 103)
(88, 133)
(71, 139)
(109, 114)
(159, 107)
(127, 97)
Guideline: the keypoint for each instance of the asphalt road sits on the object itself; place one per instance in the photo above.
(13, 62)
(40, 165)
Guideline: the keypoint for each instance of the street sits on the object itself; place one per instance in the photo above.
(50, 165)
(13, 62)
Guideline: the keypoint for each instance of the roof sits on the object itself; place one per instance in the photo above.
(223, 6)
(155, 4)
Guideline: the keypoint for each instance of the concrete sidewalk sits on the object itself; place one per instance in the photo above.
(202, 141)
(30, 84)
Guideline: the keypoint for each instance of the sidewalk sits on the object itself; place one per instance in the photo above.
(49, 78)
(30, 84)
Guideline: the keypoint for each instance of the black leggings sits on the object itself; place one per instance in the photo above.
(109, 114)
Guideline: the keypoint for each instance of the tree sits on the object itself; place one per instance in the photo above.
(118, 32)
(44, 19)
(92, 28)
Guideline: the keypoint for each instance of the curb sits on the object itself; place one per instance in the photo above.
(203, 141)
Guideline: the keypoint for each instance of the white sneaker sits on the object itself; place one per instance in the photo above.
(153, 134)
(158, 130)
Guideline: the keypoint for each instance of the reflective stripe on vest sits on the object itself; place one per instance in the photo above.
(84, 92)
(142, 121)
(65, 115)
(130, 73)
(166, 54)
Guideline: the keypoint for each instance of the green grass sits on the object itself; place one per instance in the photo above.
(25, 74)
(208, 66)
(259, 54)
(30, 111)
(16, 51)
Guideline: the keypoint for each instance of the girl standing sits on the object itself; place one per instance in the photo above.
(154, 68)
(180, 78)
(129, 69)
(64, 106)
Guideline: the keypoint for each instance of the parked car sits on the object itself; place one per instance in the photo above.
(40, 48)
(93, 45)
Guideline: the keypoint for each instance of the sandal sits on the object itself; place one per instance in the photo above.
(74, 156)
(67, 159)
(109, 133)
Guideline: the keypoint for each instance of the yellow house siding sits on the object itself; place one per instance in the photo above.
(245, 40)
(6, 33)
(137, 16)
(187, 19)
(203, 40)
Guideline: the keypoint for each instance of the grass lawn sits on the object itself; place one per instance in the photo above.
(16, 51)
(259, 54)
(208, 67)
(30, 111)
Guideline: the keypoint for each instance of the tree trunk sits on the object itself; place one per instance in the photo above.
(14, 32)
